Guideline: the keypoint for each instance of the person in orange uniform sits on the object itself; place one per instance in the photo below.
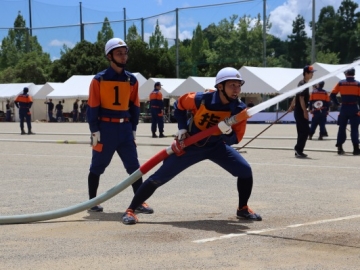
(24, 102)
(208, 109)
(156, 109)
(319, 105)
(113, 116)
(349, 89)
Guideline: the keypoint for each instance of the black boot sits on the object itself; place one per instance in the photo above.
(154, 135)
(23, 132)
(162, 135)
(320, 138)
(356, 151)
(30, 132)
(340, 150)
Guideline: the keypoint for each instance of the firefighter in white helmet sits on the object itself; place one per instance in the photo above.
(208, 109)
(113, 115)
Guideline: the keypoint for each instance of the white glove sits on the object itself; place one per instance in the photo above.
(95, 138)
(134, 134)
(180, 134)
(224, 128)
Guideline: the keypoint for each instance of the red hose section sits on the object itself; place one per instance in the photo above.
(201, 135)
(152, 162)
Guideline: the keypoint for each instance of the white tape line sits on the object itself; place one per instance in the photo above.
(232, 235)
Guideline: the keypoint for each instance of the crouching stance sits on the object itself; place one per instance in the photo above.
(208, 109)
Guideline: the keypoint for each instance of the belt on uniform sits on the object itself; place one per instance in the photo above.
(114, 120)
(349, 103)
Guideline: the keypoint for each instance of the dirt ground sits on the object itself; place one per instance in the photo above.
(310, 207)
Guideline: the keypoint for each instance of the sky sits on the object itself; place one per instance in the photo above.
(47, 15)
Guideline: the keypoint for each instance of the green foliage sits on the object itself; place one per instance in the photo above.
(157, 40)
(84, 59)
(235, 41)
(298, 43)
(328, 57)
(106, 32)
(132, 34)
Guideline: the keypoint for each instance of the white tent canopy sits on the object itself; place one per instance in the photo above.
(141, 79)
(323, 69)
(39, 108)
(76, 86)
(168, 86)
(267, 80)
(194, 84)
(11, 90)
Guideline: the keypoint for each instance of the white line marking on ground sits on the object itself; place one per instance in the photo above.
(232, 235)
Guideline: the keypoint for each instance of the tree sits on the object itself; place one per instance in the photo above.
(325, 25)
(328, 57)
(17, 43)
(84, 59)
(298, 43)
(157, 40)
(345, 28)
(132, 34)
(106, 32)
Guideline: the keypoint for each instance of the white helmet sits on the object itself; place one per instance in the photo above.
(228, 73)
(114, 43)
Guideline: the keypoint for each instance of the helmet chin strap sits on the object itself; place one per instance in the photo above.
(226, 96)
(120, 65)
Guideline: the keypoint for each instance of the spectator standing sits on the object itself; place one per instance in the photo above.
(319, 107)
(24, 102)
(75, 110)
(8, 111)
(299, 105)
(59, 112)
(349, 89)
(50, 108)
(156, 109)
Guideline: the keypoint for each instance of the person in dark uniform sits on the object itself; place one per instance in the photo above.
(208, 109)
(82, 111)
(75, 111)
(113, 116)
(349, 89)
(50, 108)
(250, 104)
(299, 105)
(319, 107)
(8, 111)
(59, 112)
(24, 102)
(156, 109)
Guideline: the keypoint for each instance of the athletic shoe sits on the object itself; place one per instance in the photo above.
(144, 209)
(247, 213)
(96, 208)
(129, 217)
(300, 155)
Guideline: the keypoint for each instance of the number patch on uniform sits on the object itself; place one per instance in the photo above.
(115, 95)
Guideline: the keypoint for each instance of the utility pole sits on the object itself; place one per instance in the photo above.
(264, 34)
(30, 20)
(81, 24)
(125, 24)
(177, 43)
(313, 57)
